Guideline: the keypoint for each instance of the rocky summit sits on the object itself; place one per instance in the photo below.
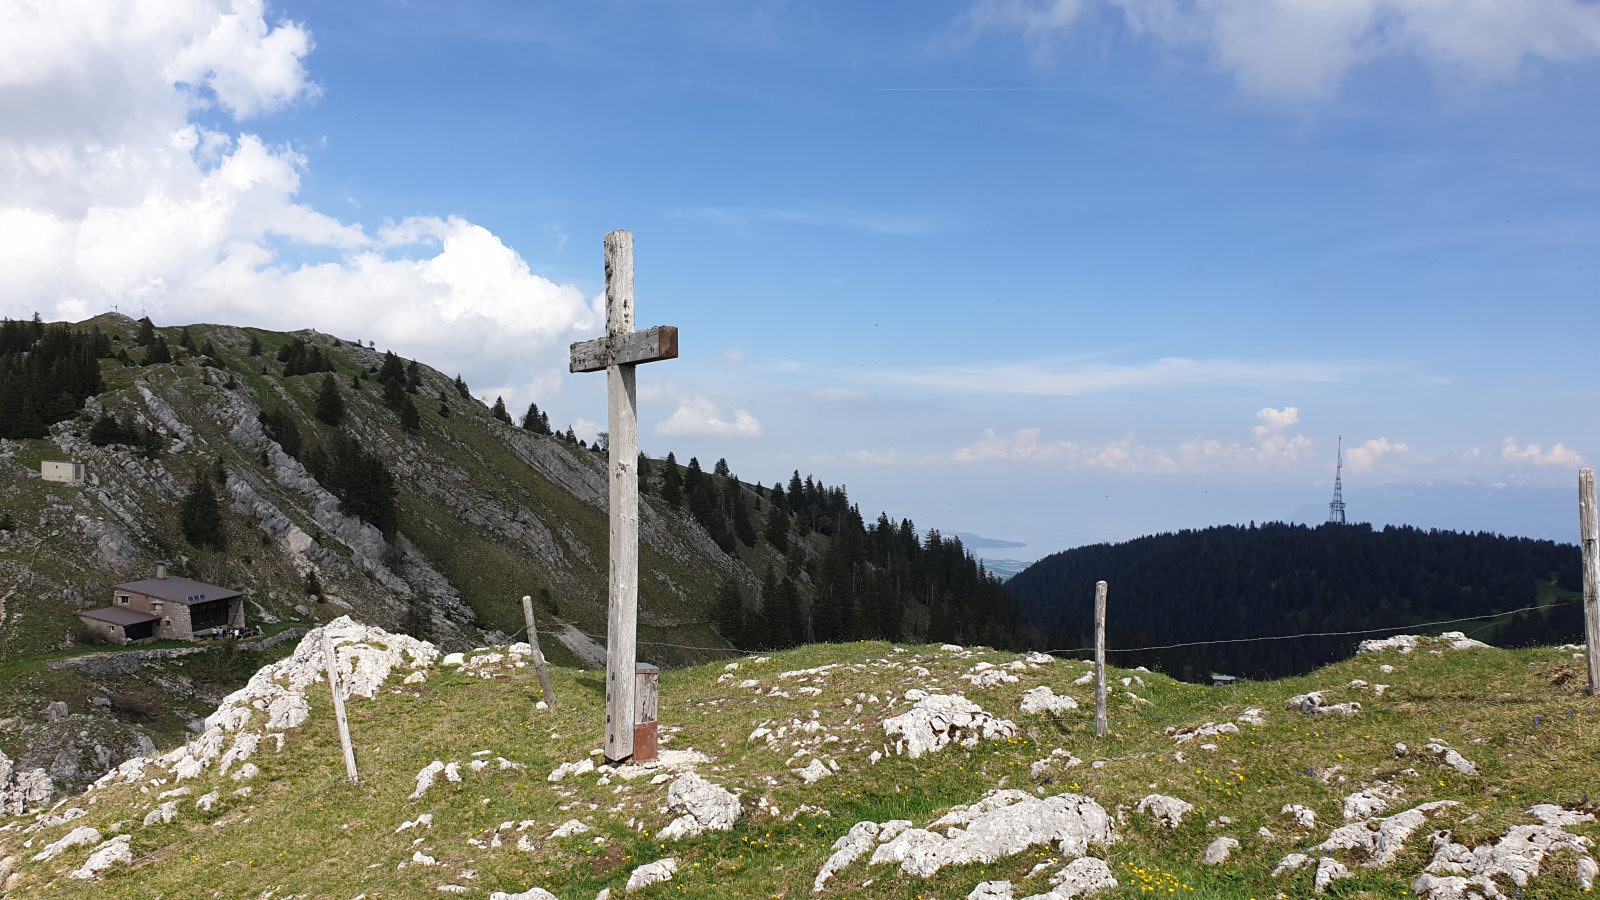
(1453, 770)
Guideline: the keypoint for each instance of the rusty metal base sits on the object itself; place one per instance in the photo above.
(644, 743)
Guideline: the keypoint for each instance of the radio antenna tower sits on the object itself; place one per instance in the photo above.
(1336, 505)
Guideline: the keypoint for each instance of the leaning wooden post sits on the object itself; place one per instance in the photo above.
(1100, 659)
(538, 655)
(338, 707)
(1589, 535)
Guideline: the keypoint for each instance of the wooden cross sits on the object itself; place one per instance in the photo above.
(618, 353)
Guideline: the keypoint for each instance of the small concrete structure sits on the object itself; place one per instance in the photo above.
(63, 472)
(165, 608)
(1219, 680)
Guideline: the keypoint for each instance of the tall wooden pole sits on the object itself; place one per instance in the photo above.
(338, 708)
(1100, 659)
(1589, 534)
(622, 442)
(538, 655)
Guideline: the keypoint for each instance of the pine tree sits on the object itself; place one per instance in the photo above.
(672, 483)
(739, 513)
(461, 388)
(413, 377)
(499, 411)
(530, 419)
(330, 406)
(186, 340)
(722, 468)
(394, 394)
(777, 531)
(157, 352)
(255, 345)
(200, 517)
(147, 333)
(409, 419)
(730, 612)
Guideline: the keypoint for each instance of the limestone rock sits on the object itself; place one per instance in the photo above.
(1370, 802)
(581, 767)
(991, 890)
(1313, 704)
(162, 814)
(1382, 839)
(22, 791)
(1169, 810)
(1329, 870)
(1043, 700)
(705, 807)
(651, 873)
(1303, 816)
(1069, 822)
(938, 720)
(529, 894)
(1208, 730)
(1517, 857)
(1451, 758)
(1085, 875)
(79, 836)
(1217, 852)
(814, 772)
(111, 853)
(858, 840)
(569, 828)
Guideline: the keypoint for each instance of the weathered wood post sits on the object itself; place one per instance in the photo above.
(338, 707)
(1100, 659)
(538, 655)
(619, 353)
(647, 685)
(1589, 536)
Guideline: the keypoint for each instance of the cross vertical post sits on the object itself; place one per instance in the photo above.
(619, 352)
(1100, 659)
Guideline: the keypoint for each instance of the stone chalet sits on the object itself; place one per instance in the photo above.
(165, 608)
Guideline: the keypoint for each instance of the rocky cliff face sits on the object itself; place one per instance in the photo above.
(487, 513)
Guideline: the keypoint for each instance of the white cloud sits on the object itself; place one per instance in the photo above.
(1275, 420)
(733, 357)
(109, 194)
(1024, 445)
(841, 395)
(699, 417)
(883, 458)
(1536, 454)
(1367, 455)
(1073, 378)
(1304, 48)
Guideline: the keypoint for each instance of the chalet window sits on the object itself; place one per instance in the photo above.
(155, 606)
(122, 599)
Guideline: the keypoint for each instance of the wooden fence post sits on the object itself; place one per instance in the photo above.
(538, 655)
(1589, 536)
(647, 685)
(1100, 659)
(338, 707)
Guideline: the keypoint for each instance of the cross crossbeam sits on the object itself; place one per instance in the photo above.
(632, 348)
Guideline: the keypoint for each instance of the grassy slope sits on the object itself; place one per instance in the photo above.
(305, 833)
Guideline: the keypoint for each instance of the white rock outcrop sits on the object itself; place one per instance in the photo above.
(1451, 758)
(704, 807)
(1329, 870)
(1217, 851)
(1382, 839)
(1208, 730)
(569, 828)
(1368, 803)
(1167, 810)
(77, 837)
(1313, 704)
(1069, 822)
(1043, 700)
(529, 894)
(938, 720)
(1304, 816)
(1516, 857)
(652, 873)
(114, 852)
(814, 772)
(22, 790)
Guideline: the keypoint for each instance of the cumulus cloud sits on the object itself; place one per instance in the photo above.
(1301, 48)
(1276, 419)
(1535, 454)
(1024, 445)
(111, 193)
(699, 417)
(1364, 457)
(883, 458)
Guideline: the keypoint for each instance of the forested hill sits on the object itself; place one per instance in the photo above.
(1231, 582)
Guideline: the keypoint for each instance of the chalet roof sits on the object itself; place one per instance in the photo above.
(179, 590)
(118, 615)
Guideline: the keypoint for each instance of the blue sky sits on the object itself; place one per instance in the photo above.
(1052, 272)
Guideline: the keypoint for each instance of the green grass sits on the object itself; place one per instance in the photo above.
(305, 832)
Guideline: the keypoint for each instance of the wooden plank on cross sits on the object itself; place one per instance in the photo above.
(619, 352)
